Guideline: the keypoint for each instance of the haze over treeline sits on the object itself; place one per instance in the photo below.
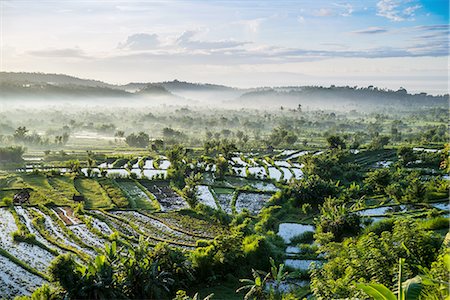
(60, 87)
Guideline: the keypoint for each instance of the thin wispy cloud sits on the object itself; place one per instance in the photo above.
(347, 9)
(61, 53)
(187, 40)
(370, 30)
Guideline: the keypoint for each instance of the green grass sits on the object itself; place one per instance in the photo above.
(64, 185)
(94, 195)
(6, 194)
(43, 192)
(221, 190)
(114, 192)
(136, 196)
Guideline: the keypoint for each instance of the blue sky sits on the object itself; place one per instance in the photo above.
(388, 43)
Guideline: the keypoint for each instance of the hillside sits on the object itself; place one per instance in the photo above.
(14, 85)
(53, 79)
(29, 90)
(312, 95)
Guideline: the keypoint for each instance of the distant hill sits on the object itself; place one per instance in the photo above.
(14, 85)
(312, 95)
(154, 89)
(53, 79)
(176, 85)
(39, 90)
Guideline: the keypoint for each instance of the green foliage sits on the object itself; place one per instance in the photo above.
(377, 291)
(140, 140)
(311, 190)
(406, 155)
(378, 180)
(45, 292)
(335, 222)
(336, 142)
(189, 192)
(373, 258)
(222, 167)
(264, 285)
(178, 165)
(329, 165)
(378, 142)
(11, 154)
(281, 137)
(139, 273)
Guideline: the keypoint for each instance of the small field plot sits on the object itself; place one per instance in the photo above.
(371, 158)
(26, 219)
(93, 193)
(100, 226)
(15, 281)
(224, 197)
(87, 236)
(137, 198)
(252, 183)
(64, 185)
(117, 224)
(114, 192)
(42, 191)
(166, 196)
(57, 234)
(205, 197)
(156, 229)
(253, 202)
(32, 255)
(190, 223)
(66, 215)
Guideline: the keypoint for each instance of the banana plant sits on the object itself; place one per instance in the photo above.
(410, 289)
(256, 287)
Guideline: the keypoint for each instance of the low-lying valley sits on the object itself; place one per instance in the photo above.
(292, 201)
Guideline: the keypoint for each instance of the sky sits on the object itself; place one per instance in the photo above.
(386, 43)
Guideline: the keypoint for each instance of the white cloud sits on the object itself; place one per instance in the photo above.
(397, 10)
(347, 9)
(140, 41)
(323, 12)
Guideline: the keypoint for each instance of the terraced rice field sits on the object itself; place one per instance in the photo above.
(93, 193)
(224, 197)
(15, 280)
(24, 265)
(253, 202)
(114, 207)
(136, 196)
(166, 196)
(205, 196)
(30, 254)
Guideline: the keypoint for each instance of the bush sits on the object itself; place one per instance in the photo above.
(305, 237)
(380, 226)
